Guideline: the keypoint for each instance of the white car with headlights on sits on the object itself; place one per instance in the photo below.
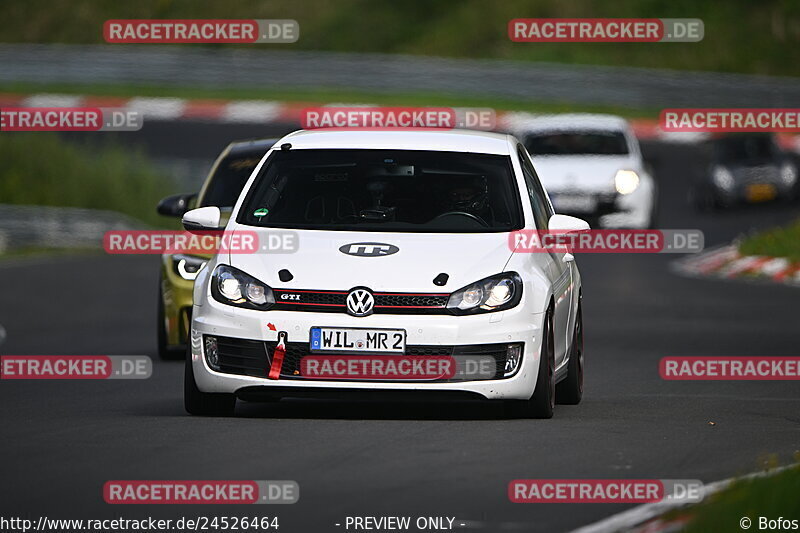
(400, 278)
(592, 167)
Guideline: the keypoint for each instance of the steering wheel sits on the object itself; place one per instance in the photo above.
(476, 218)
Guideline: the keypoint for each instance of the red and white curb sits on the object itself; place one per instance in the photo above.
(646, 518)
(726, 262)
(168, 109)
(269, 111)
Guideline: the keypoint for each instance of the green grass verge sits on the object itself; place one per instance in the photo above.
(740, 35)
(324, 96)
(770, 497)
(778, 242)
(43, 169)
(34, 252)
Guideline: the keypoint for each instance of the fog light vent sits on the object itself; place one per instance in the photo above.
(212, 353)
(513, 359)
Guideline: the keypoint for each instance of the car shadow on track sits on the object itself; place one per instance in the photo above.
(370, 410)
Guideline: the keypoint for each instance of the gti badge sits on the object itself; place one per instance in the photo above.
(369, 249)
(360, 302)
(287, 296)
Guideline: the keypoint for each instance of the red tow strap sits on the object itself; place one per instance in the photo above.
(277, 357)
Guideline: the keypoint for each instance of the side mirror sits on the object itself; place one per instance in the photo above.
(567, 224)
(202, 219)
(175, 205)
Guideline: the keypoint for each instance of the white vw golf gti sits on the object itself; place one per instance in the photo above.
(402, 279)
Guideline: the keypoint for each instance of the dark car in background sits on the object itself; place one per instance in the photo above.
(745, 168)
(221, 188)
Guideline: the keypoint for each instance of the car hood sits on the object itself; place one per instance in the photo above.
(581, 173)
(318, 262)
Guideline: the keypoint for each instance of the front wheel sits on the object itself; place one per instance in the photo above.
(541, 404)
(202, 403)
(570, 391)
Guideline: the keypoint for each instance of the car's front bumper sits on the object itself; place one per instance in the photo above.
(517, 325)
(755, 191)
(609, 209)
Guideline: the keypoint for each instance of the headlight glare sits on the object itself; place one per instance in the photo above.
(722, 177)
(626, 181)
(501, 293)
(229, 286)
(788, 174)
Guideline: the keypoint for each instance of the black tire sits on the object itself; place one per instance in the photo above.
(165, 353)
(543, 400)
(570, 390)
(201, 403)
(654, 212)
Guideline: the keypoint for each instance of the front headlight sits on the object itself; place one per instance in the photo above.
(788, 174)
(626, 181)
(722, 177)
(495, 293)
(187, 266)
(233, 287)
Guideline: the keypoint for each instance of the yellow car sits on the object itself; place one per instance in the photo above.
(221, 188)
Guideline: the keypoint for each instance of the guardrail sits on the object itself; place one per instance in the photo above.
(32, 226)
(257, 68)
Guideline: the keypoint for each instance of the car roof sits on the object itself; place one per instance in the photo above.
(436, 140)
(527, 122)
(250, 146)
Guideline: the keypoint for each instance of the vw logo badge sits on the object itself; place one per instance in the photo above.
(360, 302)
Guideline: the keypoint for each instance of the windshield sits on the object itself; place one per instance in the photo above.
(577, 143)
(384, 190)
(745, 148)
(229, 179)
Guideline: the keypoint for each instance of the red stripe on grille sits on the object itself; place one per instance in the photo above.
(307, 303)
(410, 294)
(311, 292)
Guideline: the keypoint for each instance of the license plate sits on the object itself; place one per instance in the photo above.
(361, 340)
(575, 204)
(760, 192)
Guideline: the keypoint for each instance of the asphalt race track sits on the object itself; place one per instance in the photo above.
(62, 440)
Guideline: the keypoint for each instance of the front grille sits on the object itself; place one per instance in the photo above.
(253, 358)
(335, 302)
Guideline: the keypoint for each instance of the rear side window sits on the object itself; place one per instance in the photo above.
(540, 203)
